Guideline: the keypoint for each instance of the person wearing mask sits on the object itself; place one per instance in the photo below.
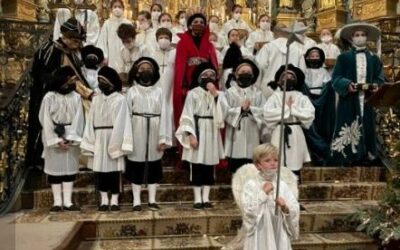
(214, 25)
(234, 39)
(330, 49)
(193, 49)
(358, 73)
(165, 21)
(86, 17)
(181, 20)
(261, 36)
(146, 35)
(93, 58)
(108, 40)
(155, 10)
(237, 23)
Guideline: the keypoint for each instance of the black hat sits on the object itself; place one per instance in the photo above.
(232, 57)
(321, 55)
(133, 73)
(111, 76)
(194, 16)
(92, 56)
(59, 77)
(73, 29)
(199, 70)
(256, 71)
(291, 69)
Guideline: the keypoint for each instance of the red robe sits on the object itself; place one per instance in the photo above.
(188, 56)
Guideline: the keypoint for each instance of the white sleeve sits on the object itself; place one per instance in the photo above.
(89, 138)
(165, 133)
(251, 41)
(50, 138)
(257, 109)
(93, 28)
(186, 122)
(75, 131)
(102, 42)
(231, 114)
(303, 110)
(273, 109)
(292, 218)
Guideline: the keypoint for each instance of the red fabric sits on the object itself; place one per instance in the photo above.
(186, 49)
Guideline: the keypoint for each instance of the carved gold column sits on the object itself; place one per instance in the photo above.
(372, 10)
(20, 10)
(332, 14)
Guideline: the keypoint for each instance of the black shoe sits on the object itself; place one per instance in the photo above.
(72, 208)
(115, 208)
(154, 207)
(137, 208)
(198, 206)
(55, 209)
(103, 208)
(207, 205)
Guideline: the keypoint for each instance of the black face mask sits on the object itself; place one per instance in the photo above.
(198, 29)
(106, 88)
(91, 62)
(245, 80)
(67, 88)
(290, 84)
(205, 81)
(145, 78)
(313, 63)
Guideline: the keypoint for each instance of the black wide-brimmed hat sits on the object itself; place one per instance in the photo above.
(256, 71)
(321, 55)
(73, 29)
(111, 76)
(298, 73)
(59, 77)
(133, 73)
(92, 56)
(202, 67)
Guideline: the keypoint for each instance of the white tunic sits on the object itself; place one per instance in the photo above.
(61, 109)
(258, 36)
(108, 133)
(259, 216)
(331, 51)
(147, 38)
(129, 56)
(91, 77)
(148, 100)
(243, 131)
(110, 43)
(234, 24)
(316, 79)
(92, 24)
(271, 57)
(302, 111)
(200, 102)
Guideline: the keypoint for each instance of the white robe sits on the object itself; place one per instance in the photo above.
(234, 24)
(316, 79)
(301, 111)
(91, 77)
(92, 27)
(61, 109)
(246, 134)
(111, 44)
(106, 147)
(148, 100)
(258, 36)
(259, 216)
(210, 150)
(271, 57)
(129, 56)
(331, 50)
(147, 38)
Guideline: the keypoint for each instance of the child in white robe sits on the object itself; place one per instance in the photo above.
(180, 19)
(165, 21)
(156, 10)
(298, 114)
(258, 38)
(236, 22)
(131, 50)
(242, 105)
(254, 189)
(146, 36)
(108, 137)
(108, 40)
(199, 134)
(316, 76)
(92, 58)
(330, 49)
(62, 120)
(151, 130)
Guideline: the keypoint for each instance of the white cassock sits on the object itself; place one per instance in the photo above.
(271, 57)
(87, 18)
(166, 61)
(258, 36)
(243, 131)
(108, 133)
(300, 115)
(260, 221)
(129, 56)
(147, 38)
(203, 114)
(331, 50)
(148, 109)
(316, 79)
(91, 78)
(67, 110)
(110, 43)
(234, 24)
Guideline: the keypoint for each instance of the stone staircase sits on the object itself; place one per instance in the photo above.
(327, 195)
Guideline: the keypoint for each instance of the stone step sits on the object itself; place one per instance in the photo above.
(325, 241)
(182, 193)
(181, 219)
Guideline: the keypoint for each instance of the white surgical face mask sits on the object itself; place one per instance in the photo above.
(213, 27)
(360, 41)
(269, 174)
(118, 12)
(182, 21)
(78, 2)
(236, 16)
(326, 39)
(144, 26)
(265, 26)
(164, 43)
(155, 15)
(167, 25)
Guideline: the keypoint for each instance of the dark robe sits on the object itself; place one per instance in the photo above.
(48, 58)
(354, 137)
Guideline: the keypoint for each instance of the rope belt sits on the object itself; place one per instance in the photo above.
(286, 132)
(103, 127)
(196, 122)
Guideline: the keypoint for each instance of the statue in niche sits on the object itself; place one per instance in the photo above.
(42, 11)
(309, 10)
(263, 7)
(286, 4)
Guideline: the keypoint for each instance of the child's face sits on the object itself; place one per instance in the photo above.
(163, 36)
(234, 37)
(269, 162)
(314, 55)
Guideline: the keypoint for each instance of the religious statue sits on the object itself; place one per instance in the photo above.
(308, 8)
(42, 11)
(263, 7)
(288, 4)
